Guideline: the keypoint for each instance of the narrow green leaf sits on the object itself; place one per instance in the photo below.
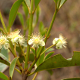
(61, 3)
(49, 50)
(4, 77)
(5, 52)
(4, 60)
(36, 3)
(25, 9)
(42, 29)
(31, 57)
(71, 79)
(2, 21)
(12, 66)
(37, 14)
(28, 4)
(58, 61)
(21, 18)
(56, 1)
(48, 55)
(13, 12)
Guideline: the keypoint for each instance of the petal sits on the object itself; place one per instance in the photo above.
(30, 42)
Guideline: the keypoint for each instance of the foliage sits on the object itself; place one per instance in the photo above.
(31, 49)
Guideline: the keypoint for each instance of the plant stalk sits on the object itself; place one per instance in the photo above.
(29, 35)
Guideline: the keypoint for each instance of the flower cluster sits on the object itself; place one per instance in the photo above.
(36, 40)
(16, 37)
(3, 42)
(59, 42)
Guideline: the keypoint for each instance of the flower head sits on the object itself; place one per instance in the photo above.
(4, 42)
(59, 42)
(16, 37)
(36, 40)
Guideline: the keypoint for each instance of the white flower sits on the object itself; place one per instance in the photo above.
(59, 42)
(4, 42)
(16, 37)
(37, 41)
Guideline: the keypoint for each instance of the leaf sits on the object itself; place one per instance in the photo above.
(21, 18)
(5, 52)
(51, 49)
(12, 66)
(31, 57)
(13, 12)
(4, 60)
(56, 1)
(28, 4)
(2, 21)
(37, 14)
(48, 55)
(61, 3)
(2, 67)
(58, 61)
(4, 77)
(36, 3)
(71, 79)
(25, 9)
(42, 29)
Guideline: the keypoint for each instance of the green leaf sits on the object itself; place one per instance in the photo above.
(4, 60)
(13, 12)
(58, 61)
(56, 1)
(48, 55)
(42, 29)
(2, 21)
(21, 18)
(49, 50)
(12, 66)
(4, 77)
(37, 14)
(5, 52)
(61, 3)
(2, 67)
(36, 3)
(71, 79)
(25, 9)
(28, 4)
(31, 57)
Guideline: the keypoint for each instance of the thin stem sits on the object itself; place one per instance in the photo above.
(47, 49)
(30, 68)
(17, 70)
(22, 52)
(35, 76)
(50, 27)
(30, 33)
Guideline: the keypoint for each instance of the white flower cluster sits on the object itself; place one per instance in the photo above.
(3, 42)
(59, 42)
(36, 41)
(14, 37)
